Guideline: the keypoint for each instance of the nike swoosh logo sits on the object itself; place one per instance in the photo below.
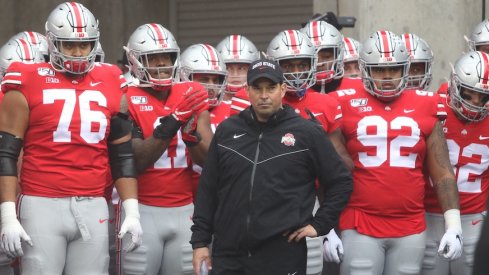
(408, 111)
(238, 136)
(483, 137)
(293, 273)
(102, 220)
(93, 84)
(316, 114)
(476, 222)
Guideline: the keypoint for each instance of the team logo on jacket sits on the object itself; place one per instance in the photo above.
(359, 102)
(288, 139)
(139, 99)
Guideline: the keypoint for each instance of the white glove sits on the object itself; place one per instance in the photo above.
(451, 245)
(332, 248)
(131, 225)
(12, 232)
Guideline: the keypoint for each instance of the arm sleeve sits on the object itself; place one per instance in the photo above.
(206, 199)
(336, 180)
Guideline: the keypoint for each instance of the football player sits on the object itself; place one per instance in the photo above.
(203, 64)
(467, 133)
(350, 57)
(421, 57)
(172, 131)
(64, 115)
(391, 135)
(237, 52)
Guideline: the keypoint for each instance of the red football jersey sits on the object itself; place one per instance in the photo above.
(324, 107)
(65, 146)
(387, 144)
(443, 88)
(348, 83)
(219, 113)
(239, 102)
(168, 183)
(468, 145)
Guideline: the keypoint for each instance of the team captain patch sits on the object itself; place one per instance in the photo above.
(358, 102)
(139, 99)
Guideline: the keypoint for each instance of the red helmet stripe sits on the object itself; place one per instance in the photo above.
(315, 32)
(349, 46)
(384, 43)
(76, 11)
(408, 41)
(235, 42)
(25, 48)
(158, 33)
(32, 37)
(292, 37)
(212, 54)
(484, 68)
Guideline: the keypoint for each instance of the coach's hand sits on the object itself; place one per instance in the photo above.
(12, 231)
(299, 234)
(131, 225)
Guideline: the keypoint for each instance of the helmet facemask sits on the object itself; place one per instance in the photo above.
(236, 77)
(215, 91)
(459, 101)
(76, 65)
(298, 82)
(159, 77)
(380, 87)
(332, 68)
(420, 81)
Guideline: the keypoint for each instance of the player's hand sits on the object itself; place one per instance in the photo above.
(131, 225)
(190, 136)
(201, 255)
(191, 102)
(12, 231)
(451, 245)
(333, 248)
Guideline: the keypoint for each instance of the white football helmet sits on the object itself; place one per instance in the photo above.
(479, 36)
(351, 50)
(37, 40)
(71, 22)
(383, 49)
(145, 41)
(419, 52)
(18, 50)
(292, 44)
(471, 71)
(204, 59)
(325, 36)
(99, 54)
(237, 49)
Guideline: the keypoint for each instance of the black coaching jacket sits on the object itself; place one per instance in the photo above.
(259, 182)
